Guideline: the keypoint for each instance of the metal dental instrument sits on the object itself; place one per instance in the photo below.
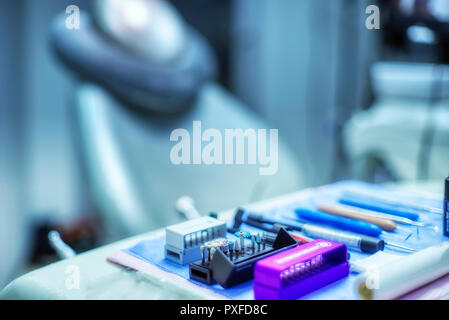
(363, 243)
(393, 244)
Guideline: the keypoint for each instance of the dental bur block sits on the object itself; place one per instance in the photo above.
(183, 240)
(231, 267)
(296, 272)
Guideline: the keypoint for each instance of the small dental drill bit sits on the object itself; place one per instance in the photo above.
(253, 242)
(242, 241)
(258, 240)
(264, 240)
(225, 248)
(231, 249)
(203, 251)
(236, 249)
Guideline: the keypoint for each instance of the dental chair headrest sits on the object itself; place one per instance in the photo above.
(151, 29)
(164, 80)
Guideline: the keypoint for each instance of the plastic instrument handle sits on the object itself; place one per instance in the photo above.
(385, 224)
(374, 205)
(339, 222)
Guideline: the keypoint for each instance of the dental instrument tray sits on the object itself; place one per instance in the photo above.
(301, 270)
(148, 255)
(230, 262)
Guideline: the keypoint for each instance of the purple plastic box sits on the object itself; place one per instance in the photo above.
(295, 272)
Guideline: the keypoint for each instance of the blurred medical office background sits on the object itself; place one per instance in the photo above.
(86, 153)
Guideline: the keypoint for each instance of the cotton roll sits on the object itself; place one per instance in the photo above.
(404, 275)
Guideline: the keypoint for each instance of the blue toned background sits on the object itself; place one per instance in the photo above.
(349, 103)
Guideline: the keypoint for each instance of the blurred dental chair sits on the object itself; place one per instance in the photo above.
(143, 73)
(404, 135)
(406, 130)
